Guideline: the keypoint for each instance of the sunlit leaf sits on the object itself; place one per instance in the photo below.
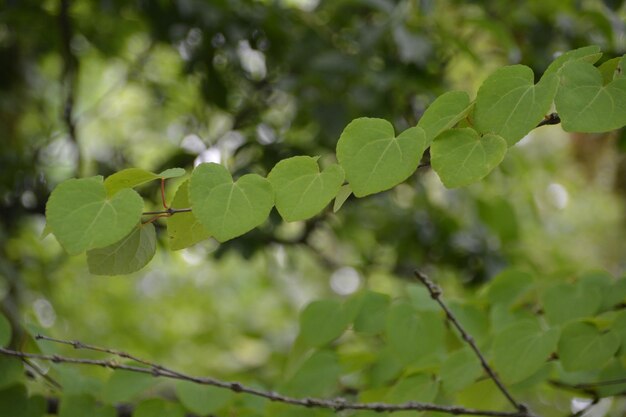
(134, 177)
(374, 159)
(510, 105)
(585, 104)
(461, 156)
(82, 217)
(444, 113)
(317, 376)
(228, 209)
(589, 54)
(301, 190)
(128, 255)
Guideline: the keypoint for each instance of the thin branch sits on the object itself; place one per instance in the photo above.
(42, 374)
(170, 211)
(337, 404)
(435, 293)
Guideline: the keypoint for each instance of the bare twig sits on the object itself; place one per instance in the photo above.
(435, 293)
(42, 374)
(169, 211)
(336, 404)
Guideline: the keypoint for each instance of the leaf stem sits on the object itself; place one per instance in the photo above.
(435, 294)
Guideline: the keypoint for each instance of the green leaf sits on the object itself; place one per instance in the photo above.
(123, 386)
(419, 387)
(172, 173)
(134, 177)
(156, 407)
(372, 315)
(301, 190)
(317, 376)
(184, 229)
(508, 286)
(11, 371)
(461, 157)
(585, 104)
(14, 402)
(589, 54)
(342, 195)
(614, 371)
(610, 69)
(583, 347)
(565, 302)
(228, 209)
(510, 105)
(460, 370)
(321, 322)
(374, 159)
(5, 331)
(522, 349)
(127, 178)
(128, 255)
(82, 406)
(473, 319)
(444, 113)
(82, 217)
(202, 399)
(619, 328)
(412, 335)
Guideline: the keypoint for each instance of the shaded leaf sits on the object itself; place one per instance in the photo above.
(583, 347)
(565, 302)
(459, 370)
(202, 399)
(342, 195)
(128, 255)
(321, 322)
(5, 330)
(522, 349)
(184, 229)
(123, 386)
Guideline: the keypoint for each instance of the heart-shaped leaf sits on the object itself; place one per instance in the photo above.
(183, 229)
(565, 302)
(522, 349)
(509, 103)
(583, 347)
(301, 190)
(82, 217)
(460, 369)
(461, 157)
(374, 159)
(133, 177)
(128, 255)
(444, 113)
(228, 209)
(589, 54)
(585, 104)
(321, 322)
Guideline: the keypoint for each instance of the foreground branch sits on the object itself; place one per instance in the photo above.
(157, 370)
(435, 293)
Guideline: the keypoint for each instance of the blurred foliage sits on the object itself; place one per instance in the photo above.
(247, 83)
